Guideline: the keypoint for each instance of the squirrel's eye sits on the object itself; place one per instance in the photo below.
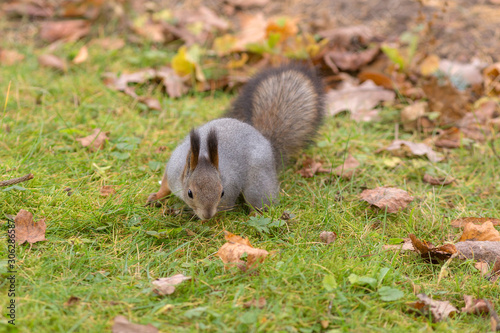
(222, 194)
(190, 194)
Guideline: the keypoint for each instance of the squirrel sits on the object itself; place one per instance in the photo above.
(277, 114)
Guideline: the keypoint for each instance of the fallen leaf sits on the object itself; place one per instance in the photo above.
(445, 99)
(82, 55)
(429, 65)
(165, 286)
(247, 3)
(310, 167)
(476, 306)
(492, 78)
(10, 57)
(96, 140)
(260, 303)
(392, 199)
(480, 118)
(27, 229)
(463, 221)
(359, 100)
(122, 325)
(483, 267)
(107, 190)
(109, 43)
(462, 73)
(380, 79)
(406, 245)
(72, 301)
(30, 9)
(231, 252)
(352, 61)
(328, 237)
(343, 37)
(173, 83)
(429, 251)
(482, 232)
(418, 149)
(252, 30)
(151, 103)
(69, 30)
(51, 61)
(348, 169)
(438, 181)
(486, 251)
(411, 114)
(439, 310)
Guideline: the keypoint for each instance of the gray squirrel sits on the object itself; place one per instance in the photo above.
(277, 113)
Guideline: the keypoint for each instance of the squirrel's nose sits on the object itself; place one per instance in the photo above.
(207, 214)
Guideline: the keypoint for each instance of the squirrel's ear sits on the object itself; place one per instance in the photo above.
(213, 150)
(194, 152)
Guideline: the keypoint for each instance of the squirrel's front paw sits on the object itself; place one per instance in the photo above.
(153, 201)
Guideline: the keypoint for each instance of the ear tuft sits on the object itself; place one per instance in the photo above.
(213, 149)
(194, 138)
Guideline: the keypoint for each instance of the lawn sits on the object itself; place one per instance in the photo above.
(106, 250)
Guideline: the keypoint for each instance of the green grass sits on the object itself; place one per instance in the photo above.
(102, 249)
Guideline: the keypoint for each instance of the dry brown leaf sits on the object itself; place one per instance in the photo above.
(440, 310)
(96, 140)
(252, 30)
(122, 325)
(476, 306)
(151, 103)
(481, 117)
(483, 267)
(405, 246)
(51, 61)
(461, 222)
(72, 301)
(328, 237)
(260, 303)
(390, 198)
(470, 73)
(445, 99)
(165, 286)
(429, 251)
(429, 65)
(107, 190)
(69, 30)
(82, 55)
(348, 169)
(30, 9)
(247, 3)
(27, 229)
(418, 149)
(438, 181)
(310, 167)
(359, 100)
(352, 61)
(10, 57)
(380, 79)
(492, 78)
(109, 43)
(411, 114)
(482, 232)
(173, 83)
(231, 252)
(486, 251)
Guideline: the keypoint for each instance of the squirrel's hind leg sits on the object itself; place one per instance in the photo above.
(161, 195)
(262, 193)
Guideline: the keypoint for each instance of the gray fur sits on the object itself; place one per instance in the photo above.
(246, 163)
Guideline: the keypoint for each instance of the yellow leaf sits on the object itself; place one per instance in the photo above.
(224, 45)
(429, 65)
(180, 63)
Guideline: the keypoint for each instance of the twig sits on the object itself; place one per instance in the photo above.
(16, 180)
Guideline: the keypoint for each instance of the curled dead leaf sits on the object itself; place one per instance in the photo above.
(107, 190)
(166, 286)
(69, 30)
(347, 169)
(439, 310)
(461, 222)
(72, 301)
(352, 61)
(390, 198)
(418, 149)
(429, 251)
(310, 167)
(445, 99)
(328, 237)
(236, 246)
(481, 232)
(27, 229)
(52, 61)
(257, 303)
(438, 181)
(96, 140)
(122, 325)
(476, 306)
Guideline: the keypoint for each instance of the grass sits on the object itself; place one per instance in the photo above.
(104, 250)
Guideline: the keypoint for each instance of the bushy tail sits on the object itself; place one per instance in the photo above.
(285, 104)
